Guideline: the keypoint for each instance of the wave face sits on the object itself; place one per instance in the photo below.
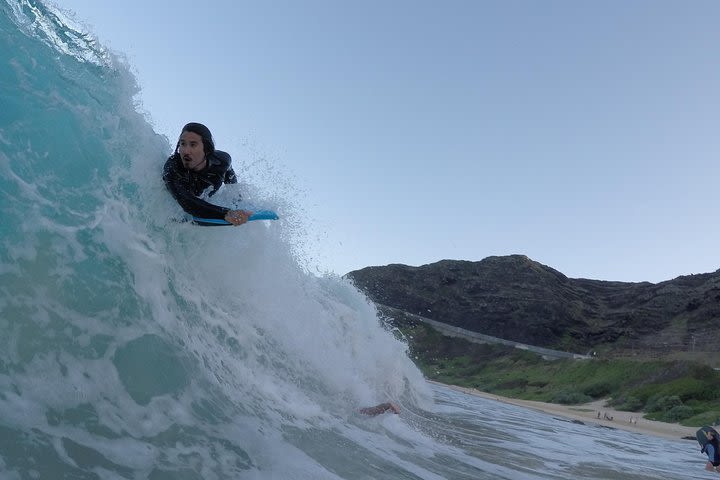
(133, 346)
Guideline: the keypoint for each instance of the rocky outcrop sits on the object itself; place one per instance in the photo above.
(516, 298)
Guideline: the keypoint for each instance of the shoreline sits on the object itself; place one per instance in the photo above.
(588, 413)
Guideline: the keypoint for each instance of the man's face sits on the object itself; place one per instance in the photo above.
(192, 151)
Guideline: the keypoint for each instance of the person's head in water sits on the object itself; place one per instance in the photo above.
(194, 145)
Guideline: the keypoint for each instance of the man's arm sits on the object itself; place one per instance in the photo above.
(382, 408)
(181, 191)
(230, 176)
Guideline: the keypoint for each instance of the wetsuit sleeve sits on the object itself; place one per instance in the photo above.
(179, 186)
(230, 176)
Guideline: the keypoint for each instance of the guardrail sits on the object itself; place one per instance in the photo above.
(475, 337)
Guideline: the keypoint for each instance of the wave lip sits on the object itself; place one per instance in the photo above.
(54, 27)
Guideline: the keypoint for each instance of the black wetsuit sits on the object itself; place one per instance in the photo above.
(187, 185)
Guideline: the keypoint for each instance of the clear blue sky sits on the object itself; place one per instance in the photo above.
(584, 134)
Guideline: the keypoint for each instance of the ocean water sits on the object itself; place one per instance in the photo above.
(133, 346)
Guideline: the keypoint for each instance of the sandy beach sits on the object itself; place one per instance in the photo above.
(588, 413)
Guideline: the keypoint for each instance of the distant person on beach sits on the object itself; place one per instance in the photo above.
(197, 169)
(712, 450)
(381, 408)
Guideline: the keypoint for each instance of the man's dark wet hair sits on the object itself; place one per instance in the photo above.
(204, 132)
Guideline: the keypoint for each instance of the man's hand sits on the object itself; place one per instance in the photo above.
(237, 217)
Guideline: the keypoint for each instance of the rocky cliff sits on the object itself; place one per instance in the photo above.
(516, 298)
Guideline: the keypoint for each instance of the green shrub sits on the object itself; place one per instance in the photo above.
(711, 417)
(512, 384)
(598, 390)
(651, 403)
(679, 412)
(658, 403)
(537, 383)
(630, 404)
(570, 398)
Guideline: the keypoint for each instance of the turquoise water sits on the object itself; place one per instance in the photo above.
(136, 347)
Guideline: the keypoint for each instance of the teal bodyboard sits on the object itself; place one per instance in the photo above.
(215, 222)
